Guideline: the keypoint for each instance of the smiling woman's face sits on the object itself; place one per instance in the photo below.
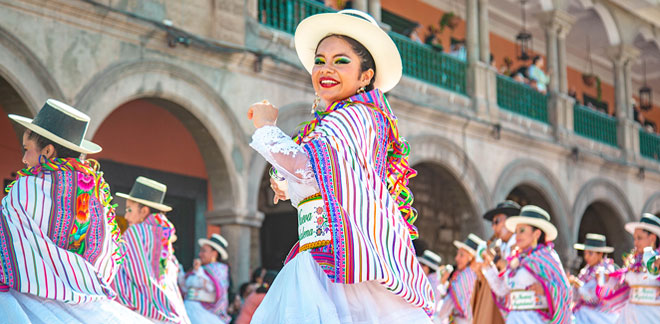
(337, 72)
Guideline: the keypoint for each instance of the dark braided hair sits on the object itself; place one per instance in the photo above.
(366, 60)
(60, 151)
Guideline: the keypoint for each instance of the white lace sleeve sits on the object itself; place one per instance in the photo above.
(497, 284)
(289, 158)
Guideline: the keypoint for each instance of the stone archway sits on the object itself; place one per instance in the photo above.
(602, 207)
(222, 143)
(652, 204)
(450, 194)
(529, 182)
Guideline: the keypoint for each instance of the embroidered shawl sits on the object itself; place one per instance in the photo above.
(610, 297)
(219, 275)
(371, 239)
(147, 281)
(461, 288)
(58, 236)
(544, 264)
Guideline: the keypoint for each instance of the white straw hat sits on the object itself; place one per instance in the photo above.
(218, 243)
(62, 124)
(534, 216)
(430, 259)
(648, 222)
(594, 242)
(149, 193)
(471, 243)
(359, 26)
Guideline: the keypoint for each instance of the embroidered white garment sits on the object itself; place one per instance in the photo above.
(502, 286)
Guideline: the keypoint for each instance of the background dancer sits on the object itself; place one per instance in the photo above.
(534, 287)
(147, 281)
(643, 304)
(59, 222)
(457, 287)
(594, 302)
(206, 285)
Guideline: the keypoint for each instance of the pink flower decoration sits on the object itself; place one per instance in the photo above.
(85, 181)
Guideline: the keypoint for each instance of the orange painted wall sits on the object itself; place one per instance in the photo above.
(141, 133)
(11, 153)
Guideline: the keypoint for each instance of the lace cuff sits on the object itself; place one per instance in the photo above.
(497, 284)
(289, 158)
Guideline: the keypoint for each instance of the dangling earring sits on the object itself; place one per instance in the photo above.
(317, 100)
(40, 157)
(361, 90)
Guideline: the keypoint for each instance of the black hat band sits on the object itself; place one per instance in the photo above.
(61, 124)
(594, 243)
(218, 242)
(144, 192)
(650, 221)
(533, 214)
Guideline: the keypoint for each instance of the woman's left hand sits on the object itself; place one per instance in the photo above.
(262, 114)
(537, 288)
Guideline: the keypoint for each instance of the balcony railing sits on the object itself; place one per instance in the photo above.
(594, 125)
(649, 144)
(419, 61)
(521, 99)
(437, 68)
(285, 15)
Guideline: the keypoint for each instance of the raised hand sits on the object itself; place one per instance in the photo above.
(262, 114)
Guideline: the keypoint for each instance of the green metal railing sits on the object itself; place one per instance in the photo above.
(422, 62)
(419, 61)
(521, 99)
(649, 144)
(285, 15)
(595, 125)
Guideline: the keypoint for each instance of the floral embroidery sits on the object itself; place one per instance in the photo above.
(82, 208)
(322, 226)
(85, 181)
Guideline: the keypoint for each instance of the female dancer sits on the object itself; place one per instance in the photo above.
(347, 173)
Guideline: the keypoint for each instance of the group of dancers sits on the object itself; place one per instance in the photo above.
(517, 277)
(64, 259)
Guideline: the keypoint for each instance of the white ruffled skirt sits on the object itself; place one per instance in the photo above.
(199, 315)
(588, 315)
(639, 314)
(303, 294)
(22, 308)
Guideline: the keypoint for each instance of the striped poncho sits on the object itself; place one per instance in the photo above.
(219, 275)
(461, 288)
(610, 297)
(147, 280)
(371, 240)
(58, 237)
(544, 265)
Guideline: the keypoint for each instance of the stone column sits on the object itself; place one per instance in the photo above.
(374, 9)
(361, 5)
(561, 58)
(237, 226)
(472, 31)
(484, 36)
(623, 56)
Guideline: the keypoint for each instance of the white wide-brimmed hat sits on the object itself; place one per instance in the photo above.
(62, 124)
(149, 193)
(359, 26)
(648, 222)
(430, 259)
(471, 243)
(534, 216)
(594, 242)
(218, 243)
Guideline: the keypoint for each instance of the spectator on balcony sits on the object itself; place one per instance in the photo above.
(507, 68)
(433, 40)
(519, 77)
(537, 74)
(458, 49)
(413, 34)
